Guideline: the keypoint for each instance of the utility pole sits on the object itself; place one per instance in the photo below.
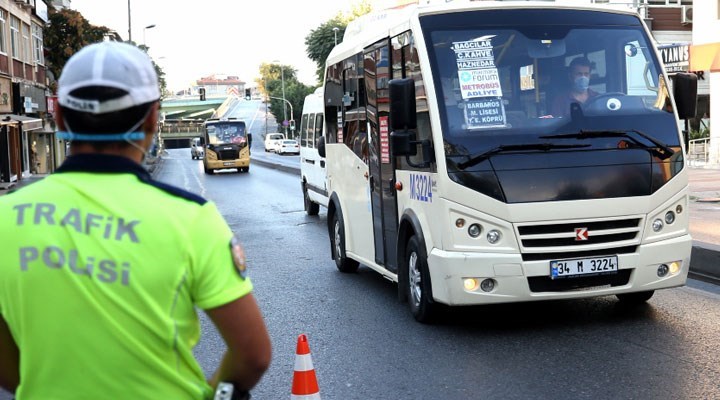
(129, 23)
(282, 78)
(266, 106)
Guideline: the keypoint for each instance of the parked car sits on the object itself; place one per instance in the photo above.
(288, 146)
(196, 149)
(272, 140)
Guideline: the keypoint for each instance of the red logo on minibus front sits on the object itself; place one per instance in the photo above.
(581, 234)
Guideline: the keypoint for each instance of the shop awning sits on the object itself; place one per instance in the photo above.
(28, 123)
(704, 57)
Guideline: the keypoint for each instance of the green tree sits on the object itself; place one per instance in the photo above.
(160, 73)
(66, 33)
(270, 84)
(321, 40)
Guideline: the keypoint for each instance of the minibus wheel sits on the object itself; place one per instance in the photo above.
(419, 288)
(343, 263)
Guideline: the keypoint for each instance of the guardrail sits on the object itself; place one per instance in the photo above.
(699, 151)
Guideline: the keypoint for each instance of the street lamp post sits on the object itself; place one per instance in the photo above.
(335, 30)
(144, 29)
(282, 80)
(129, 23)
(291, 109)
(266, 107)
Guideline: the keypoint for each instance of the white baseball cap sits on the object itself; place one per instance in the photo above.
(108, 64)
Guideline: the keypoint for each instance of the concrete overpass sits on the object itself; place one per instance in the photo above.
(190, 107)
(183, 118)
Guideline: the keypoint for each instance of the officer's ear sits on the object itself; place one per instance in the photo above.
(150, 124)
(59, 118)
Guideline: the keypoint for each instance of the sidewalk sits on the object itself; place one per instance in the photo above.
(705, 223)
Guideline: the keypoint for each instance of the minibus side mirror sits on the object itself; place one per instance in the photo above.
(402, 104)
(403, 143)
(685, 94)
(403, 123)
(249, 139)
(320, 144)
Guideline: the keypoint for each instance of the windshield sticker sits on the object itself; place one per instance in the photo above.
(480, 83)
(484, 113)
(475, 62)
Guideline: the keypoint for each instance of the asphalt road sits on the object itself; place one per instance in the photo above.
(365, 345)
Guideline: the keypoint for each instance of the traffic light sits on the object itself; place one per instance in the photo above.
(292, 124)
(247, 94)
(201, 91)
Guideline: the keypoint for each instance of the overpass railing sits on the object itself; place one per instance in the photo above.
(181, 129)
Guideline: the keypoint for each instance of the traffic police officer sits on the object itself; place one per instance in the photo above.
(102, 268)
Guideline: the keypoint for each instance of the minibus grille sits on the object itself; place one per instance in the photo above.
(578, 254)
(228, 155)
(580, 235)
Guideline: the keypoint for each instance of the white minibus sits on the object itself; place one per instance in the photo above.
(470, 160)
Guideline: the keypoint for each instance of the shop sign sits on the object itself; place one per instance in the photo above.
(676, 57)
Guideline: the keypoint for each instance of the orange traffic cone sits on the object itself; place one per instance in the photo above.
(304, 385)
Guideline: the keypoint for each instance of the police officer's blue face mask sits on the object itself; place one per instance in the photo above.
(582, 83)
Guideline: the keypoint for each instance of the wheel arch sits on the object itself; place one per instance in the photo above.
(409, 225)
(332, 208)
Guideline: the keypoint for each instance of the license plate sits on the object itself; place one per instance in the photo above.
(583, 266)
(229, 163)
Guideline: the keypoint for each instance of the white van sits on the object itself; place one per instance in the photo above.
(312, 166)
(196, 148)
(272, 141)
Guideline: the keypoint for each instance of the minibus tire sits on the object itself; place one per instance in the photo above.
(342, 262)
(311, 208)
(635, 298)
(419, 288)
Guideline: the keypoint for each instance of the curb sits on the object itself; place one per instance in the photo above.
(273, 165)
(705, 262)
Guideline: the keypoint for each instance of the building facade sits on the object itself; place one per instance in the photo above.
(705, 56)
(27, 143)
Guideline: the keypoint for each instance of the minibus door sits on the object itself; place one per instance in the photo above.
(382, 173)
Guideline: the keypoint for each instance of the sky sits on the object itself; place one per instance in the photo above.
(193, 39)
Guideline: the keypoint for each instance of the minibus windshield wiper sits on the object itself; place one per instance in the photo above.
(476, 159)
(665, 150)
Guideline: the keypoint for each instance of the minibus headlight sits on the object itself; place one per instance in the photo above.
(471, 284)
(474, 230)
(669, 217)
(494, 236)
(657, 225)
